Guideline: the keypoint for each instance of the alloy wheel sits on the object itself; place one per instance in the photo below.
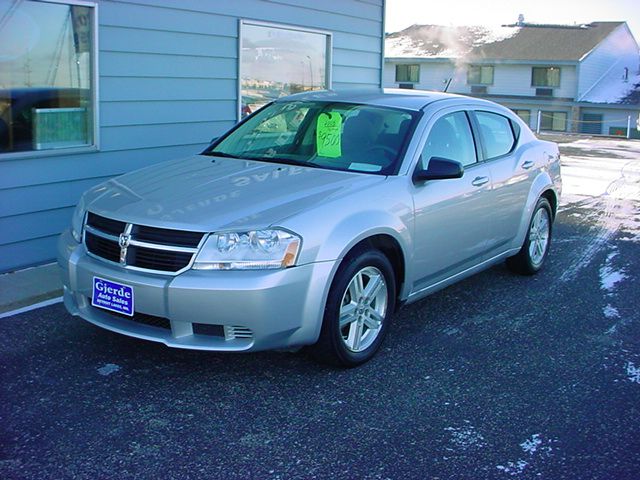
(363, 309)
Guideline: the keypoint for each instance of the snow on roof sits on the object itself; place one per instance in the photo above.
(508, 42)
(613, 88)
(437, 41)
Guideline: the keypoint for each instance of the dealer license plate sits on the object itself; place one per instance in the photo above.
(112, 296)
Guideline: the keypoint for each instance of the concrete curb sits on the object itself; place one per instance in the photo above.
(30, 286)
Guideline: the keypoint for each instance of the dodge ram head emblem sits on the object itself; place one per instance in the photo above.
(123, 241)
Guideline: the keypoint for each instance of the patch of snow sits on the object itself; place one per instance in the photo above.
(534, 446)
(513, 468)
(108, 369)
(607, 186)
(466, 437)
(451, 331)
(493, 34)
(633, 372)
(437, 41)
(610, 277)
(402, 47)
(612, 88)
(531, 445)
(610, 312)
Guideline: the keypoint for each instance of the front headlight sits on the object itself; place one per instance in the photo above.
(254, 250)
(77, 220)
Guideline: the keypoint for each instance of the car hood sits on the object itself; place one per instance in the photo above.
(203, 193)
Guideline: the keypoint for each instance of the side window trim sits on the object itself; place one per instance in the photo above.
(475, 134)
(476, 127)
(476, 151)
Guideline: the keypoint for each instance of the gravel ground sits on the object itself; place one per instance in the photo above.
(499, 376)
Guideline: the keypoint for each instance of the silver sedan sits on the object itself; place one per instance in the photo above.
(311, 222)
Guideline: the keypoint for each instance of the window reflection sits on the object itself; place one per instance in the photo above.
(45, 76)
(278, 61)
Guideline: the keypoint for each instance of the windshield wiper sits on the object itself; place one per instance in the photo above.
(287, 161)
(222, 154)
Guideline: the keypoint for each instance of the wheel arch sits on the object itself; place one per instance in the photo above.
(542, 187)
(390, 248)
(550, 195)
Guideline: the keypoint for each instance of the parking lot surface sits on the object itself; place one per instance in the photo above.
(499, 376)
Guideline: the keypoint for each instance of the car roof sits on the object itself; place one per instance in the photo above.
(388, 97)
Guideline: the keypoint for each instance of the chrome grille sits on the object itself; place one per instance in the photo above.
(140, 246)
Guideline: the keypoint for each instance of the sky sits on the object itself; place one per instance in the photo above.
(403, 13)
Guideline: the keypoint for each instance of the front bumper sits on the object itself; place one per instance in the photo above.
(236, 310)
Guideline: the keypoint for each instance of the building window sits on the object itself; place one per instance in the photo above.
(525, 115)
(408, 73)
(480, 75)
(545, 77)
(47, 92)
(554, 121)
(278, 60)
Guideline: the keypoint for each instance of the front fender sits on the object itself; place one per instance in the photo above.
(332, 229)
(352, 230)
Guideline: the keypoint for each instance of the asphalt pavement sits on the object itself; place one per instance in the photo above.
(499, 376)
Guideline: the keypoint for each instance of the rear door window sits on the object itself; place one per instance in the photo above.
(496, 133)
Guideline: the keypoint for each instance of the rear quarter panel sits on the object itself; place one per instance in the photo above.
(546, 156)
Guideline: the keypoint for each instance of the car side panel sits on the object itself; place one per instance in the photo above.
(451, 225)
(541, 183)
(335, 227)
(512, 176)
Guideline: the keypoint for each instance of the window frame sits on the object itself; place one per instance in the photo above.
(477, 147)
(399, 161)
(553, 113)
(407, 65)
(549, 67)
(480, 67)
(95, 98)
(282, 26)
(478, 134)
(516, 110)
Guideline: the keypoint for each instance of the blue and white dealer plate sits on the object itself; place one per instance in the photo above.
(112, 296)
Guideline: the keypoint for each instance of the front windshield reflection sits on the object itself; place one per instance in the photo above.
(337, 136)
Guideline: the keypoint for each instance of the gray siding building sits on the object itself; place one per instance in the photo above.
(90, 90)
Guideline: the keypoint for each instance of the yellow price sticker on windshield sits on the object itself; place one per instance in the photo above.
(329, 135)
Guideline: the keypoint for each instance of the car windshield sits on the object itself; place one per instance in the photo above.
(338, 136)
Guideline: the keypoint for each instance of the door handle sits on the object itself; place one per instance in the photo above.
(527, 165)
(479, 181)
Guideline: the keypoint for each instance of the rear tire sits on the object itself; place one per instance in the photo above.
(358, 310)
(531, 257)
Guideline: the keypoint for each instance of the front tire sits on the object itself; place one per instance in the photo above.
(359, 306)
(531, 257)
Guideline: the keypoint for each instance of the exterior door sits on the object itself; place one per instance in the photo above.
(451, 216)
(512, 173)
(592, 123)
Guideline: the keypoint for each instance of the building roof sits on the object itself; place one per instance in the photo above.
(615, 88)
(518, 42)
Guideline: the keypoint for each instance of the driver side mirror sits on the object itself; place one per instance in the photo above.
(439, 169)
